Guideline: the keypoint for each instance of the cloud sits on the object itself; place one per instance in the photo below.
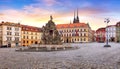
(1, 14)
(36, 15)
(50, 2)
(92, 10)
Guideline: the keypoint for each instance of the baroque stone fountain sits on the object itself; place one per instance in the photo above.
(51, 35)
(51, 40)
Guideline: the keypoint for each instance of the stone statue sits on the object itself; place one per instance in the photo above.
(51, 34)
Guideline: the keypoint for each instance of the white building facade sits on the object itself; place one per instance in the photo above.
(111, 31)
(10, 34)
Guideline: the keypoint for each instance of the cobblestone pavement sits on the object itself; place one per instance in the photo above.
(88, 56)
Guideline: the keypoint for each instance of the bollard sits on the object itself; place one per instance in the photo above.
(22, 48)
(56, 48)
(49, 48)
(36, 48)
(63, 48)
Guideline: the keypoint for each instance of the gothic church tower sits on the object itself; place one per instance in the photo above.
(76, 18)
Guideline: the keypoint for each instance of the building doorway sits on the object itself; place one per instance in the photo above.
(9, 45)
(36, 42)
(112, 39)
(67, 40)
(16, 44)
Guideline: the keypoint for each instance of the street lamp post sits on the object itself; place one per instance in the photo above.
(107, 21)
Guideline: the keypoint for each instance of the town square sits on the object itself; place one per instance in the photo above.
(88, 56)
(59, 34)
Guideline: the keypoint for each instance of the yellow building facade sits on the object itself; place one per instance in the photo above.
(30, 35)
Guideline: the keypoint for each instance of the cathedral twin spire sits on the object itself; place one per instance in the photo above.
(76, 19)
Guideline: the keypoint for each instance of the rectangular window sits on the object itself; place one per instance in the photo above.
(27, 37)
(84, 34)
(84, 30)
(23, 37)
(24, 41)
(31, 33)
(9, 33)
(84, 39)
(16, 33)
(9, 38)
(31, 37)
(32, 42)
(23, 32)
(16, 29)
(9, 28)
(16, 38)
(35, 37)
(36, 33)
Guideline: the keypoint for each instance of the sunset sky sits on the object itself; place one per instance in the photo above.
(37, 12)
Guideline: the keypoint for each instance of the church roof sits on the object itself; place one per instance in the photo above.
(75, 25)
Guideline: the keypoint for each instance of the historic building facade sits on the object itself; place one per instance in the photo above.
(75, 32)
(30, 35)
(111, 32)
(100, 35)
(118, 32)
(78, 32)
(93, 35)
(10, 34)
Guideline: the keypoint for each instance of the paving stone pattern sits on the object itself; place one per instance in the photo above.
(88, 56)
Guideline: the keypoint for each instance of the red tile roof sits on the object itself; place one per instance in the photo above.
(30, 28)
(100, 29)
(75, 25)
(10, 24)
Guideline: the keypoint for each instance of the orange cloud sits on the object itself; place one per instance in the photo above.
(1, 14)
